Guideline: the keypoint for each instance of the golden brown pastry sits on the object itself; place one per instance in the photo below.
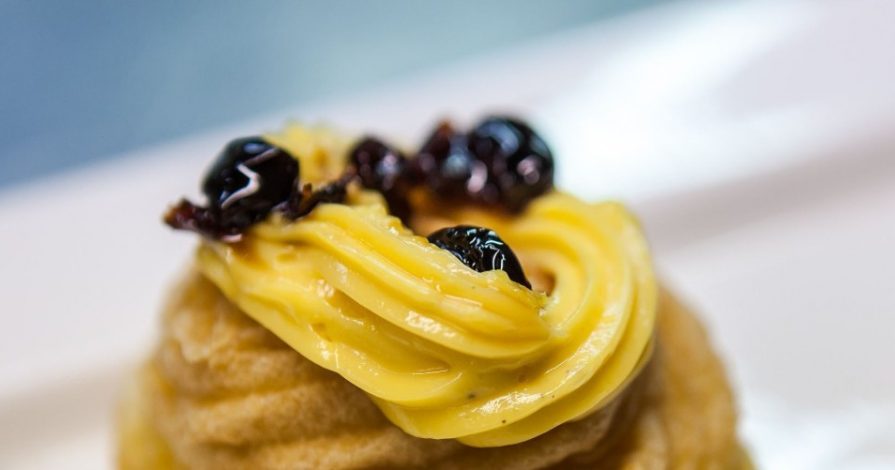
(318, 330)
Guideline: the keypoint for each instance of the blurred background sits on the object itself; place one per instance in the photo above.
(755, 139)
(90, 80)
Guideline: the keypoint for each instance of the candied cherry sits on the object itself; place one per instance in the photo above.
(384, 169)
(378, 166)
(519, 162)
(447, 164)
(249, 178)
(480, 249)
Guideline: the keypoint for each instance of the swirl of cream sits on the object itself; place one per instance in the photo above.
(444, 351)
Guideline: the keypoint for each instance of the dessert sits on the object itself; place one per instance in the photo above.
(354, 307)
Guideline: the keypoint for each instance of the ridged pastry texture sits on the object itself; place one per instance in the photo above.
(223, 392)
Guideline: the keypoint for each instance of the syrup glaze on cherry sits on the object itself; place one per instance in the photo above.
(501, 162)
(480, 249)
(384, 169)
(520, 165)
(248, 180)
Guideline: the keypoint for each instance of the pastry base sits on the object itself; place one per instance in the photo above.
(222, 392)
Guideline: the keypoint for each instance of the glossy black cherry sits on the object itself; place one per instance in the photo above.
(383, 168)
(481, 249)
(378, 166)
(520, 164)
(448, 166)
(249, 178)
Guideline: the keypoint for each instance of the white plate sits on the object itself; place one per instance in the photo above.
(753, 138)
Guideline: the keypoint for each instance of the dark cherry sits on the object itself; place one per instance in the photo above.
(501, 162)
(448, 165)
(481, 249)
(433, 150)
(384, 169)
(519, 162)
(188, 216)
(378, 166)
(249, 178)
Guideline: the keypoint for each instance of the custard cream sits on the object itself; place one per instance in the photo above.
(445, 351)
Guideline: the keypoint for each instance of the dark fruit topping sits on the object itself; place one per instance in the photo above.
(519, 162)
(248, 179)
(480, 249)
(384, 169)
(502, 162)
(188, 216)
(301, 203)
(446, 162)
(378, 166)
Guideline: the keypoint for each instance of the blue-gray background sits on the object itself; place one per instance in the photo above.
(85, 80)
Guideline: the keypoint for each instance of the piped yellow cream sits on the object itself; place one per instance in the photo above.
(445, 351)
